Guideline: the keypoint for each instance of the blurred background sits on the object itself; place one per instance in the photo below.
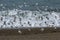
(35, 34)
(29, 4)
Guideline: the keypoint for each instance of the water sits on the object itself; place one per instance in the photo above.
(29, 4)
(25, 19)
(29, 13)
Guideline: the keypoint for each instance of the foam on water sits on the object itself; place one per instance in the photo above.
(25, 18)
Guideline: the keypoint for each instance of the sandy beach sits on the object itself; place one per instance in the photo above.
(34, 34)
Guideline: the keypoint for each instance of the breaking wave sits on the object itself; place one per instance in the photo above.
(25, 18)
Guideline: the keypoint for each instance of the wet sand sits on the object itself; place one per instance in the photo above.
(34, 34)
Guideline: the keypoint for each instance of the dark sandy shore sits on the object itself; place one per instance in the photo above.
(34, 34)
